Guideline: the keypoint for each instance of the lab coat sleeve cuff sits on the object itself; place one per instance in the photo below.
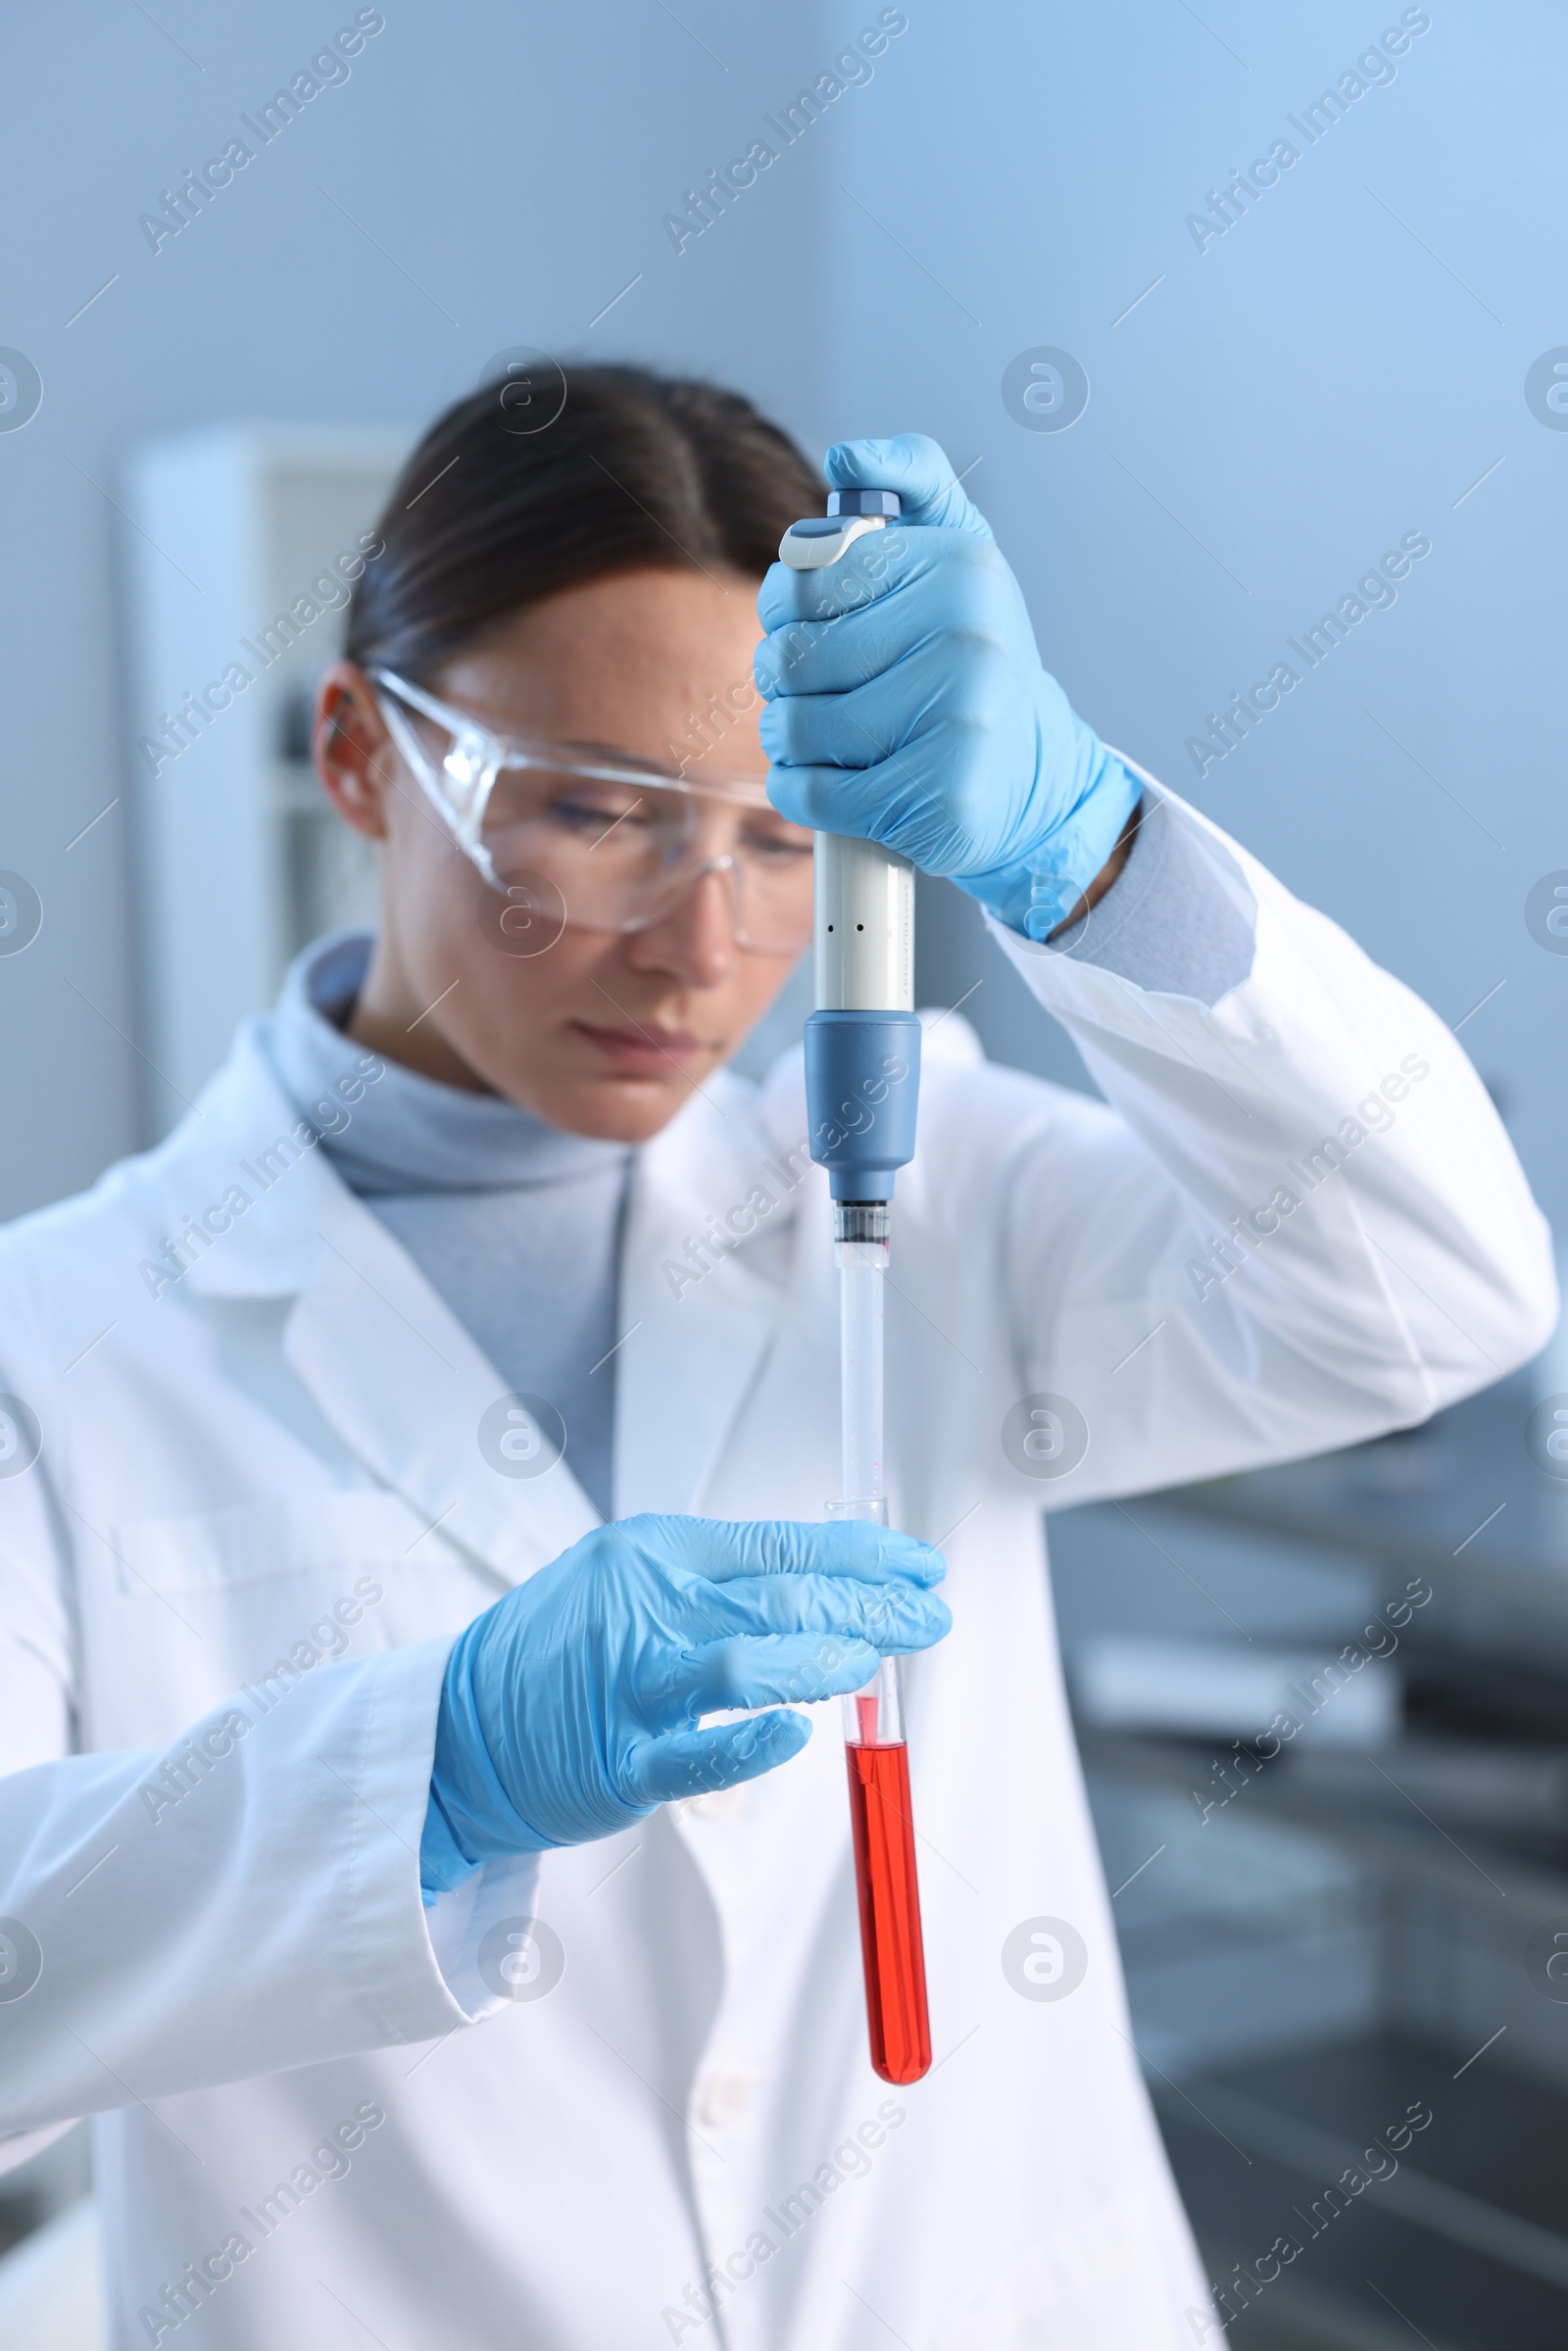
(1185, 922)
(481, 1934)
(399, 1967)
(1170, 923)
(259, 1886)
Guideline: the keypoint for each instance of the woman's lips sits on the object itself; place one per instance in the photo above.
(643, 1052)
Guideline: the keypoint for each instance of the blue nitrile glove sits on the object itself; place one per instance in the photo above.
(908, 704)
(570, 1708)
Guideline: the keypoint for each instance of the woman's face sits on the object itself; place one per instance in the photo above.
(604, 1033)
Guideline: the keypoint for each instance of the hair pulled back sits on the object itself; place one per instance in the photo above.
(637, 469)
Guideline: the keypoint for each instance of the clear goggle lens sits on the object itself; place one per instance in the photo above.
(620, 842)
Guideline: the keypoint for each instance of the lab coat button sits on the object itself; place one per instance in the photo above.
(723, 2099)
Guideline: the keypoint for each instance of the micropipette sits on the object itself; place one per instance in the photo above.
(862, 1076)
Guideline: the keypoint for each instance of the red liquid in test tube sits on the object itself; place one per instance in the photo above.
(894, 1955)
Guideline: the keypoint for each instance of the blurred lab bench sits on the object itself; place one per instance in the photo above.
(1328, 1928)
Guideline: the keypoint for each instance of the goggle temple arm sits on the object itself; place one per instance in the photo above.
(460, 793)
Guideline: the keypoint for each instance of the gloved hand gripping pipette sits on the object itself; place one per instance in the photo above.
(862, 1076)
(911, 721)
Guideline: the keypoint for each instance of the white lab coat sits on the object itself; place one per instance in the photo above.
(243, 1986)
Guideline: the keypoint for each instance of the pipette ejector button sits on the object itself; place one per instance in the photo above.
(820, 539)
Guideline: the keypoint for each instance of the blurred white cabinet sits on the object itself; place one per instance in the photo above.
(243, 542)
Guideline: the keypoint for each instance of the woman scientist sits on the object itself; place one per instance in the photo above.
(406, 1459)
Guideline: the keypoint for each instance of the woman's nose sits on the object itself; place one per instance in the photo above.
(696, 939)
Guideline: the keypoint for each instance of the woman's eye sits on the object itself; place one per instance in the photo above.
(777, 848)
(594, 817)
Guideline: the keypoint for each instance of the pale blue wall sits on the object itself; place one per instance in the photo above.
(515, 160)
(1311, 386)
(1298, 395)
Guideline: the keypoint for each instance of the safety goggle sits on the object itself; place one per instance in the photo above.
(617, 840)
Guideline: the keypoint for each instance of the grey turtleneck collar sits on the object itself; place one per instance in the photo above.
(409, 1133)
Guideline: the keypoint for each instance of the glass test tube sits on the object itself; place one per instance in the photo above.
(886, 1880)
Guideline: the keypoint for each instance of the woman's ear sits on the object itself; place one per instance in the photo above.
(352, 752)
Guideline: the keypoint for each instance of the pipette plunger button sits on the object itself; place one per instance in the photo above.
(865, 502)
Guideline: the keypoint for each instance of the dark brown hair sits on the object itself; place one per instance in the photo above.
(637, 469)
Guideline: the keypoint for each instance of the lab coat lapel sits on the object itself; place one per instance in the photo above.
(405, 1386)
(699, 1320)
(390, 1366)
